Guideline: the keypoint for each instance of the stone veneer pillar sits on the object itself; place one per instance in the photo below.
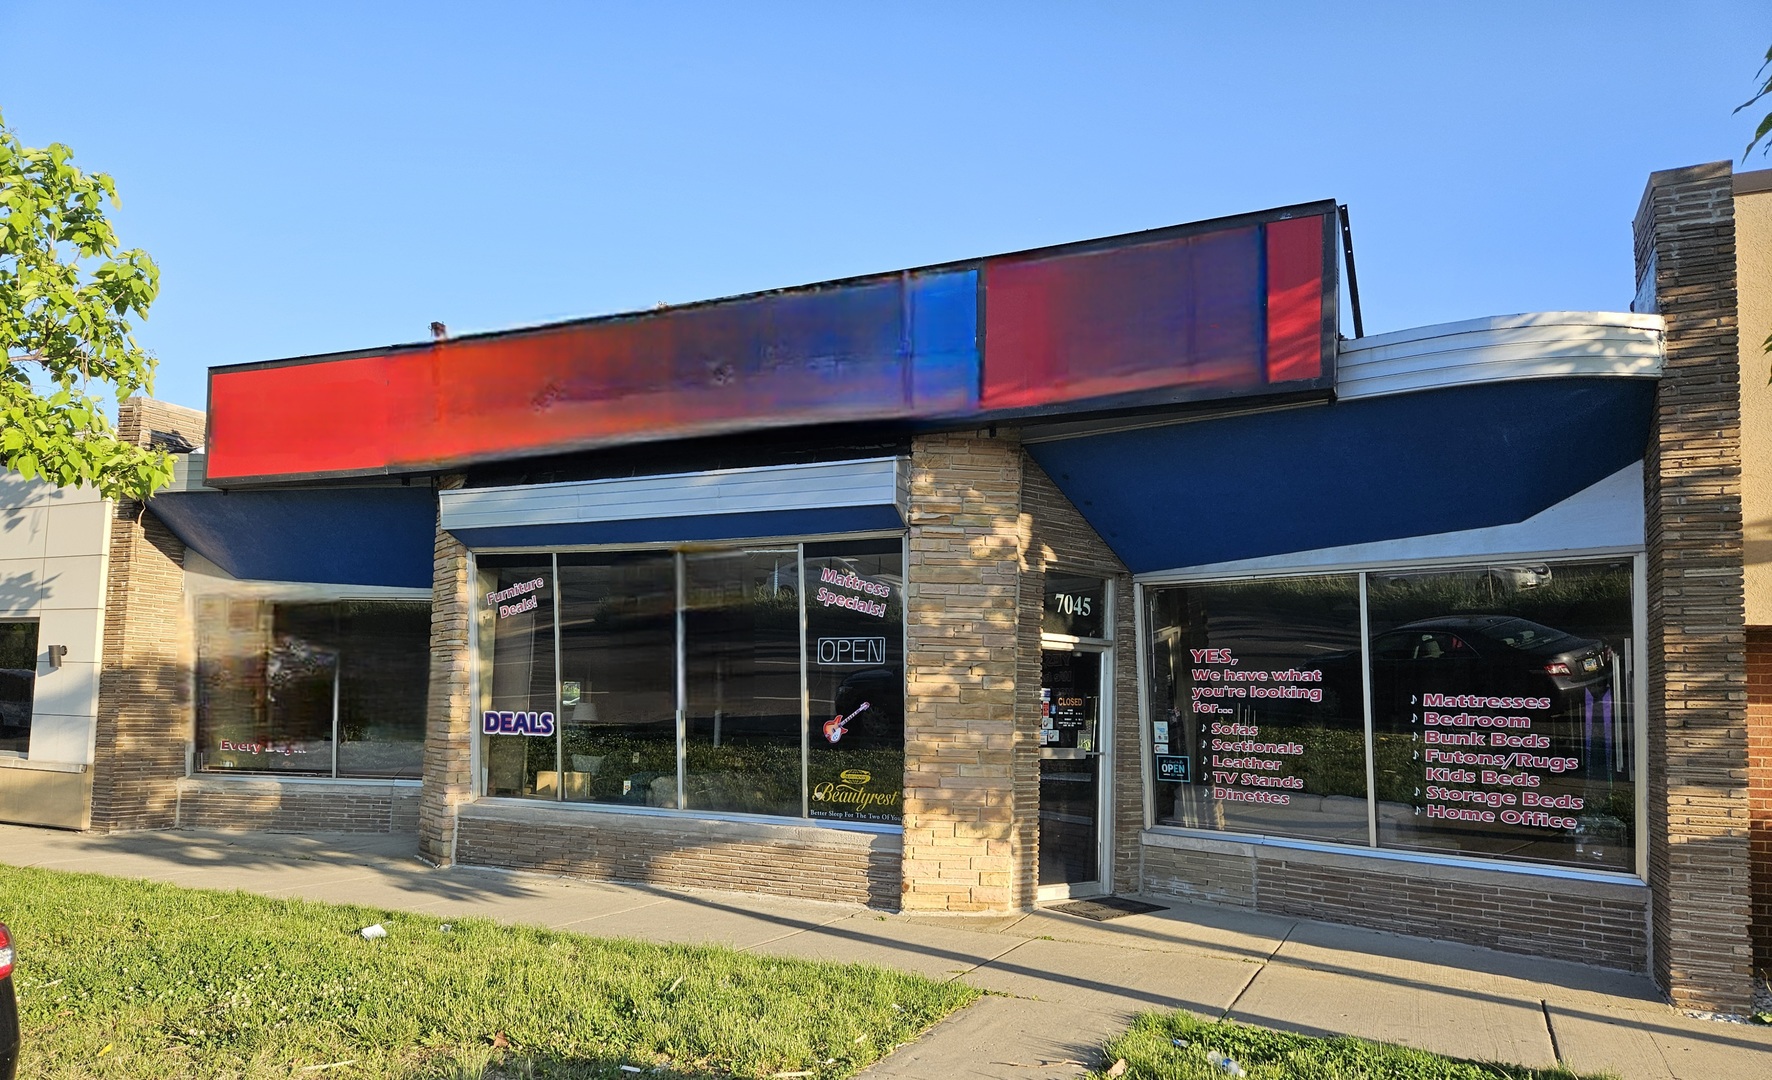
(1698, 814)
(449, 731)
(144, 696)
(966, 762)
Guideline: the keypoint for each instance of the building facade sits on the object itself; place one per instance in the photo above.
(1108, 568)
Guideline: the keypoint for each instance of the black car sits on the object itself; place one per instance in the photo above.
(1490, 655)
(9, 1036)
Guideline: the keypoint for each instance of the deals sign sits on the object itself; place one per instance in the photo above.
(495, 722)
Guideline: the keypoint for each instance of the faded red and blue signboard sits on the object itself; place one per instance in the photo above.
(1230, 308)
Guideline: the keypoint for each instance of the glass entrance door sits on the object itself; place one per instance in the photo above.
(1071, 734)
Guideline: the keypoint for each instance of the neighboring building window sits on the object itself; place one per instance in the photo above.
(1501, 711)
(312, 688)
(18, 677)
(763, 680)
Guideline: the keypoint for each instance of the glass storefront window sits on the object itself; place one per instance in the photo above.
(514, 608)
(618, 678)
(765, 680)
(312, 687)
(1502, 710)
(1259, 724)
(855, 679)
(741, 626)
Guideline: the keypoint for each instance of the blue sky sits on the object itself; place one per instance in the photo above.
(315, 177)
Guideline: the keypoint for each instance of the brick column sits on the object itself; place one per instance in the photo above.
(144, 699)
(965, 757)
(449, 730)
(1697, 753)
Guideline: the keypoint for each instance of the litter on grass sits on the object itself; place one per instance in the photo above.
(371, 933)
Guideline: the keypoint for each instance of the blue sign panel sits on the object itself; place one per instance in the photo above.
(1174, 767)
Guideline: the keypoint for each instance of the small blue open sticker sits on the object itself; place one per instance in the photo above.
(1174, 767)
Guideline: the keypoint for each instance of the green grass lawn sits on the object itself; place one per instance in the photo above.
(1181, 1047)
(126, 979)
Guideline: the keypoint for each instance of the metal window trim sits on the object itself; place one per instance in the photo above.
(1489, 864)
(1447, 562)
(559, 690)
(680, 561)
(1147, 760)
(476, 768)
(668, 814)
(692, 545)
(805, 690)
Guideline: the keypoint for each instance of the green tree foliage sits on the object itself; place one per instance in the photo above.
(1765, 127)
(1761, 132)
(66, 297)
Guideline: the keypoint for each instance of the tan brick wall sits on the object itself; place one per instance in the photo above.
(1063, 542)
(1759, 751)
(805, 862)
(267, 805)
(1753, 285)
(969, 702)
(449, 729)
(1697, 753)
(144, 704)
(1592, 922)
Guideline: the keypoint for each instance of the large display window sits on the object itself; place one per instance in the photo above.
(312, 687)
(757, 680)
(1487, 711)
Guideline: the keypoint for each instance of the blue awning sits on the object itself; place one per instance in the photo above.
(1417, 464)
(341, 536)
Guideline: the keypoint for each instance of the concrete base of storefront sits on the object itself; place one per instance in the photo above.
(1589, 921)
(1066, 984)
(679, 852)
(273, 804)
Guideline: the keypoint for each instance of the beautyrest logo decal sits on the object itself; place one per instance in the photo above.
(493, 722)
(851, 791)
(522, 588)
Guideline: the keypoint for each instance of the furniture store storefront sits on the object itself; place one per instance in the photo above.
(1107, 568)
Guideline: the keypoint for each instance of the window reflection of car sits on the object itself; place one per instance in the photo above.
(1488, 654)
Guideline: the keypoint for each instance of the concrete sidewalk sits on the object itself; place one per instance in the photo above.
(1067, 984)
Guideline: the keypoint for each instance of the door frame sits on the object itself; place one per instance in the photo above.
(1102, 885)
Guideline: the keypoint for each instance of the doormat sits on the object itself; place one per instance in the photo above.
(1104, 908)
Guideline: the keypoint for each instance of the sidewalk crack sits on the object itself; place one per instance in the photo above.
(1259, 968)
(1549, 1029)
(989, 962)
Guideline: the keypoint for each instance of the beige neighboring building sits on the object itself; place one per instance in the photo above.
(79, 579)
(1753, 268)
